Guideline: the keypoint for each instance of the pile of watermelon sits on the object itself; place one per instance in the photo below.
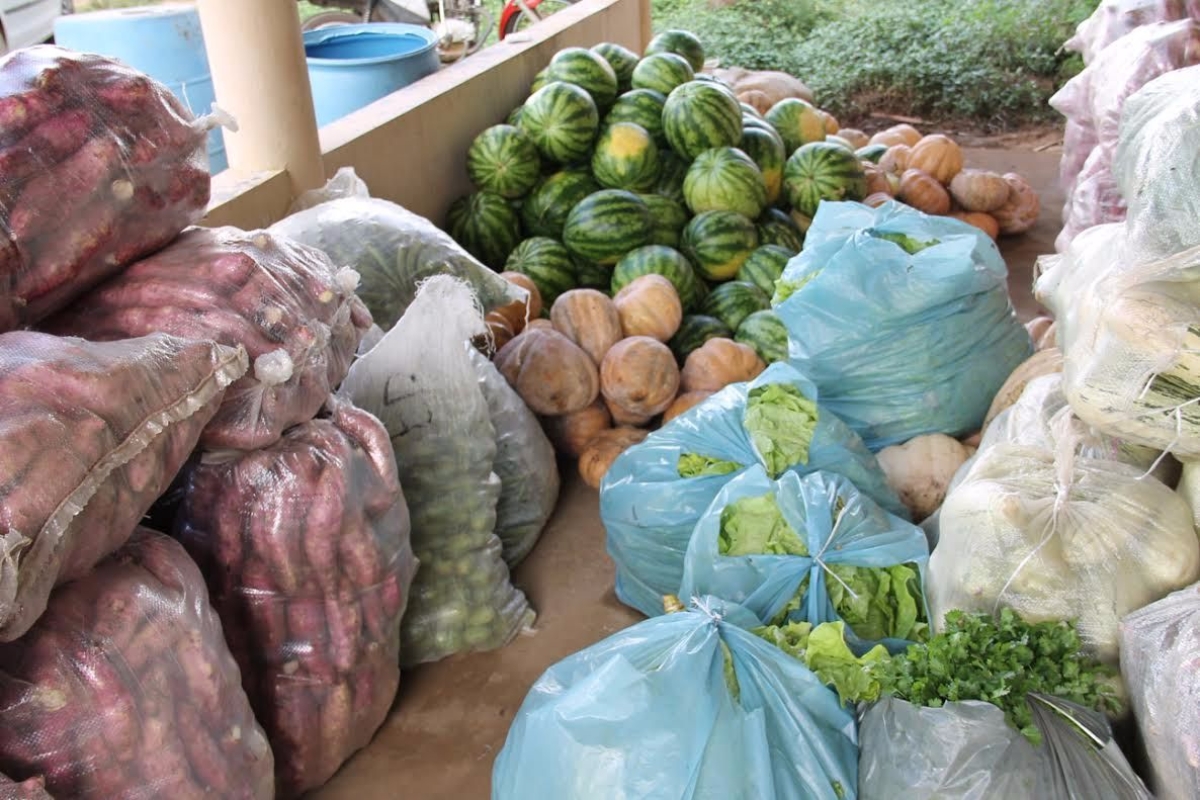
(618, 166)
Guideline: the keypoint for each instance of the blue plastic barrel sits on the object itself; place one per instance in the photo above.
(164, 42)
(352, 66)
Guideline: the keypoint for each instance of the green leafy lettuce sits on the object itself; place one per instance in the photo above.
(692, 465)
(731, 680)
(781, 422)
(785, 289)
(879, 602)
(907, 243)
(755, 526)
(823, 649)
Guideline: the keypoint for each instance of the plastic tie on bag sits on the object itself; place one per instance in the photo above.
(274, 368)
(217, 118)
(11, 545)
(347, 279)
(817, 559)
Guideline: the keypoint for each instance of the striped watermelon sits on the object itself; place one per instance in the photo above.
(777, 227)
(750, 111)
(514, 116)
(545, 209)
(659, 260)
(587, 70)
(822, 171)
(504, 160)
(718, 243)
(765, 266)
(765, 147)
(797, 121)
(833, 138)
(486, 225)
(669, 218)
(548, 265)
(606, 225)
(733, 301)
(681, 43)
(699, 116)
(725, 179)
(662, 72)
(672, 172)
(626, 157)
(871, 152)
(621, 59)
(590, 275)
(540, 79)
(766, 333)
(643, 107)
(694, 331)
(562, 120)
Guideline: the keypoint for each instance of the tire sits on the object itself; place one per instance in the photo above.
(330, 19)
(520, 21)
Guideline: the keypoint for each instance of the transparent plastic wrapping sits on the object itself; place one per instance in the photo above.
(29, 789)
(90, 435)
(125, 688)
(1160, 646)
(1095, 200)
(1113, 19)
(650, 502)
(305, 547)
(901, 319)
(525, 464)
(390, 247)
(1079, 140)
(686, 706)
(420, 383)
(853, 550)
(297, 317)
(99, 165)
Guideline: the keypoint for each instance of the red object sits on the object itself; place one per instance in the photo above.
(509, 14)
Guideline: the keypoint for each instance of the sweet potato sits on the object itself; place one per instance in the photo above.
(29, 789)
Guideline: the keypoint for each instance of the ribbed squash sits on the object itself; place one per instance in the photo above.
(855, 137)
(1043, 362)
(542, 324)
(1020, 212)
(877, 179)
(638, 378)
(500, 330)
(718, 363)
(603, 450)
(684, 402)
(877, 199)
(622, 417)
(937, 155)
(895, 160)
(979, 190)
(519, 312)
(649, 306)
(985, 222)
(589, 319)
(923, 192)
(897, 134)
(570, 433)
(551, 373)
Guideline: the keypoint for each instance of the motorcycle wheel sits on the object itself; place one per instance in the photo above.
(521, 20)
(330, 19)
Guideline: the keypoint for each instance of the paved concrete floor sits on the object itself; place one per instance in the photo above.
(450, 718)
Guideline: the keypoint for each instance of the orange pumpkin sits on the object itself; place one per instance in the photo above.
(979, 190)
(985, 222)
(855, 137)
(923, 192)
(570, 433)
(518, 312)
(718, 363)
(589, 319)
(937, 155)
(602, 451)
(638, 378)
(1020, 212)
(649, 306)
(549, 371)
(877, 199)
(895, 159)
(684, 402)
(877, 179)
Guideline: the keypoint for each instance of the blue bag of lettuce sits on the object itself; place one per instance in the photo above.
(902, 320)
(655, 492)
(685, 706)
(812, 548)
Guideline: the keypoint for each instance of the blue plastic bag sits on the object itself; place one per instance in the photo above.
(649, 510)
(648, 714)
(837, 524)
(900, 343)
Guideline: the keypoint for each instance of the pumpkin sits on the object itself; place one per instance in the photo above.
(589, 319)
(877, 179)
(1020, 212)
(1038, 326)
(639, 378)
(831, 123)
(539, 324)
(1048, 339)
(920, 470)
(649, 306)
(570, 433)
(985, 222)
(855, 137)
(602, 451)
(897, 134)
(718, 363)
(628, 419)
(937, 155)
(979, 190)
(895, 159)
(923, 192)
(500, 330)
(877, 199)
(683, 402)
(1042, 362)
(551, 373)
(758, 100)
(519, 311)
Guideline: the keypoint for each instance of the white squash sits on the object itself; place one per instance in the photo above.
(920, 470)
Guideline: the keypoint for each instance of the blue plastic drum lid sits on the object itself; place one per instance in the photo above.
(352, 66)
(165, 42)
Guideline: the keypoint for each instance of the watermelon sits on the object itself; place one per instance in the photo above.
(725, 179)
(718, 243)
(765, 266)
(621, 59)
(681, 43)
(672, 172)
(562, 120)
(750, 111)
(669, 218)
(766, 333)
(776, 227)
(545, 209)
(548, 265)
(606, 225)
(871, 152)
(626, 157)
(699, 116)
(590, 275)
(766, 149)
(797, 121)
(822, 171)
(662, 72)
(643, 107)
(540, 79)
(587, 70)
(502, 159)
(839, 141)
(660, 260)
(514, 116)
(486, 225)
(694, 331)
(733, 301)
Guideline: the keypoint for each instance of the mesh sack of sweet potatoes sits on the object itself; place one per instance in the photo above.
(90, 436)
(305, 545)
(296, 315)
(28, 789)
(99, 165)
(125, 688)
